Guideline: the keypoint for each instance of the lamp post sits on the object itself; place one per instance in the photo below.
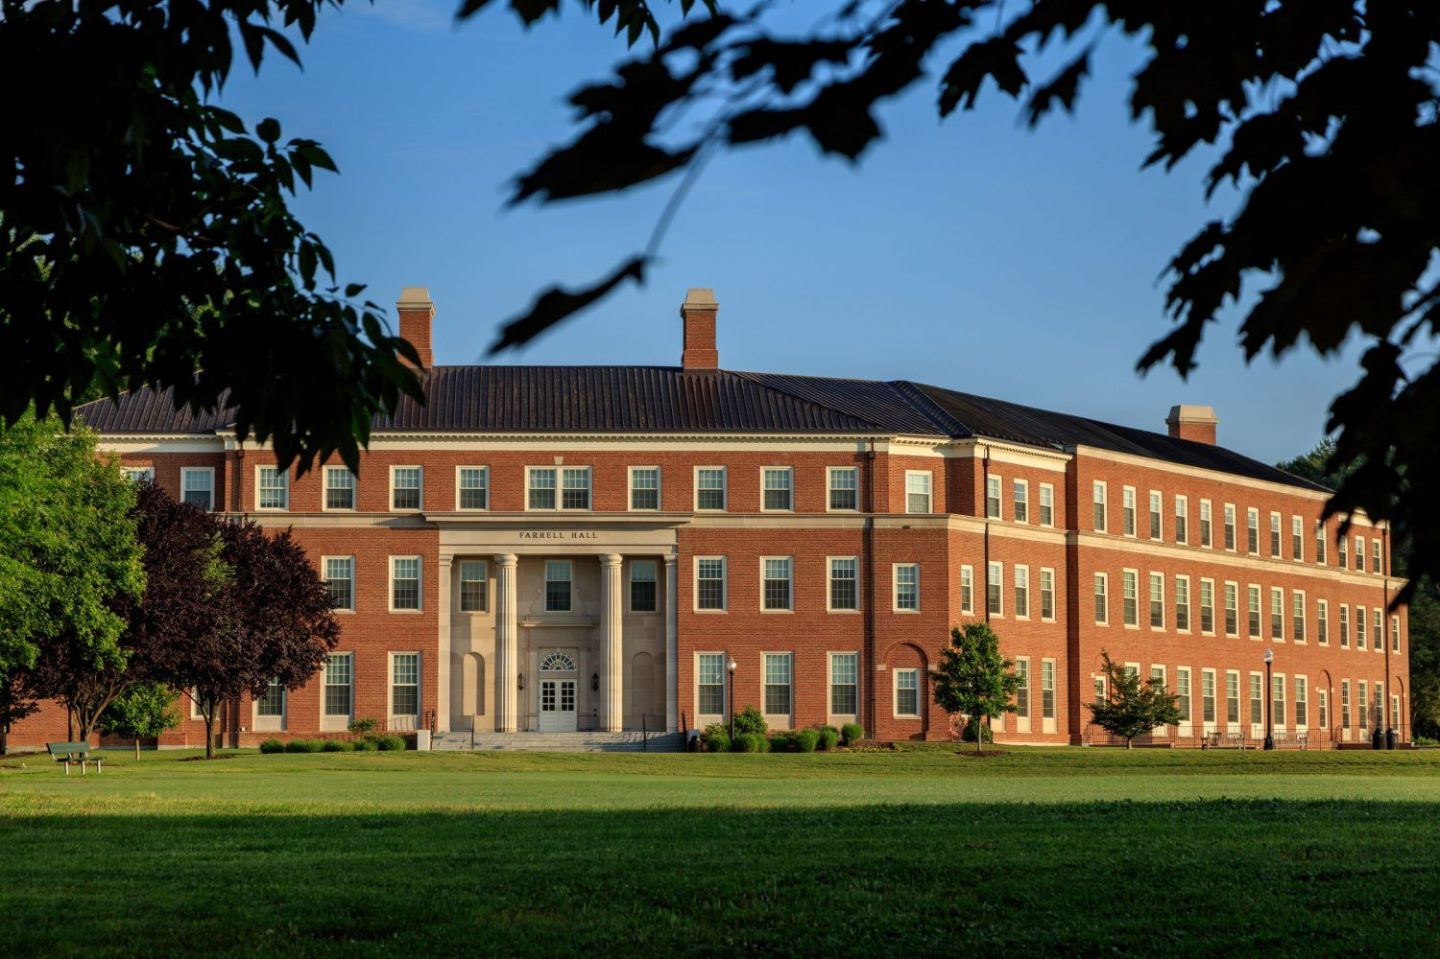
(731, 667)
(1269, 701)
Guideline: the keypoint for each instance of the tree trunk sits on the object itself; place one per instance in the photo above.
(70, 723)
(137, 748)
(210, 734)
(4, 738)
(1128, 741)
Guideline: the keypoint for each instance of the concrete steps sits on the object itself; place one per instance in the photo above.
(586, 742)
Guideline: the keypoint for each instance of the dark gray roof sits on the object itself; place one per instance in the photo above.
(658, 399)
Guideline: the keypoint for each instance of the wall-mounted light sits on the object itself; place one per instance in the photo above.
(594, 682)
(520, 681)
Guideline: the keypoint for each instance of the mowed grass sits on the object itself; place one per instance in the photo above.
(1037, 852)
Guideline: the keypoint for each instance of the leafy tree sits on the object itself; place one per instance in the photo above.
(68, 554)
(142, 711)
(274, 621)
(1131, 707)
(16, 702)
(973, 679)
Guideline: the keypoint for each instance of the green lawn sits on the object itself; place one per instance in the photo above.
(1051, 852)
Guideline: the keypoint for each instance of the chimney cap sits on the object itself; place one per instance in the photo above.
(415, 298)
(1191, 413)
(700, 298)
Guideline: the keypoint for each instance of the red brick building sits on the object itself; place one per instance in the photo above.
(589, 548)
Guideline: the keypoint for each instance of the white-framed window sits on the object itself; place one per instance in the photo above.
(1320, 541)
(197, 486)
(1182, 520)
(575, 487)
(1232, 609)
(1252, 531)
(271, 704)
(1275, 534)
(1127, 510)
(339, 684)
(1157, 506)
(710, 684)
(843, 483)
(540, 487)
(995, 589)
(1047, 594)
(777, 683)
(1359, 554)
(472, 487)
(406, 487)
(1022, 592)
(1297, 616)
(776, 587)
(405, 684)
(1257, 699)
(1253, 610)
(1099, 508)
(1302, 702)
(1020, 501)
(1022, 691)
(1345, 705)
(1182, 604)
(1207, 606)
(340, 580)
(907, 692)
(339, 488)
(1377, 549)
(1394, 634)
(138, 474)
(1277, 613)
(1157, 600)
(474, 585)
(1102, 599)
(1229, 515)
(1232, 697)
(1322, 707)
(645, 488)
(992, 497)
(1205, 523)
(272, 488)
(559, 585)
(710, 583)
(1277, 696)
(1207, 696)
(844, 684)
(844, 590)
(917, 491)
(907, 587)
(1130, 597)
(710, 489)
(1047, 504)
(404, 583)
(1322, 622)
(1297, 539)
(967, 589)
(1379, 633)
(777, 488)
(1359, 627)
(644, 586)
(1047, 689)
(1182, 694)
(1344, 626)
(1341, 547)
(1362, 711)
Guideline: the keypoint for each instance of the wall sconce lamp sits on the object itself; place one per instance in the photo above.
(594, 682)
(520, 680)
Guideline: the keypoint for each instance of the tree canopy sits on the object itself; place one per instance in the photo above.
(972, 678)
(1132, 707)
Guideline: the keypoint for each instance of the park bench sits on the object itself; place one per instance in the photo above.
(68, 753)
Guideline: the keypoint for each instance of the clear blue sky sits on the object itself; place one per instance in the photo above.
(973, 254)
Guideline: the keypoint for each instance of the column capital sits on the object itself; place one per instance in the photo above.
(672, 560)
(506, 559)
(611, 559)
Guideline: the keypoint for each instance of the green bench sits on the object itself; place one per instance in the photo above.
(68, 753)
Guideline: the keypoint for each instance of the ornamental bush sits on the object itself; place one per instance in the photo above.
(826, 738)
(303, 746)
(717, 738)
(751, 720)
(968, 734)
(390, 743)
(366, 745)
(783, 742)
(751, 743)
(852, 733)
(270, 746)
(364, 726)
(334, 746)
(805, 740)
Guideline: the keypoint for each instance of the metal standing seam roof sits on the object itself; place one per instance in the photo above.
(660, 399)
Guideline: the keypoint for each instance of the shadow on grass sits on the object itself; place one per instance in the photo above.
(1185, 878)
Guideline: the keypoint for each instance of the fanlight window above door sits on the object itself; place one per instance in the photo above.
(558, 663)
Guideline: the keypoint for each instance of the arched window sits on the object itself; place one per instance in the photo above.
(558, 662)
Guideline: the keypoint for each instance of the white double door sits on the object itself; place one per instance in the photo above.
(557, 705)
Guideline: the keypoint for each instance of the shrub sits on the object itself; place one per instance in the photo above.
(390, 743)
(805, 740)
(332, 746)
(969, 732)
(364, 726)
(751, 743)
(782, 743)
(717, 738)
(826, 738)
(852, 733)
(270, 746)
(303, 746)
(1425, 741)
(751, 720)
(365, 745)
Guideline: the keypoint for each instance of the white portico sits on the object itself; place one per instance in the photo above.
(557, 625)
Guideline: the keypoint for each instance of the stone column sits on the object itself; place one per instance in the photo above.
(507, 635)
(672, 644)
(612, 710)
(442, 667)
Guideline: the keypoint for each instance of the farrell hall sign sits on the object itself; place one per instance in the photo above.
(572, 534)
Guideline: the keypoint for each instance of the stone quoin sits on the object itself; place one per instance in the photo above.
(554, 549)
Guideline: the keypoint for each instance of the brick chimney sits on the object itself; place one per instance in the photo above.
(416, 311)
(698, 314)
(1195, 423)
